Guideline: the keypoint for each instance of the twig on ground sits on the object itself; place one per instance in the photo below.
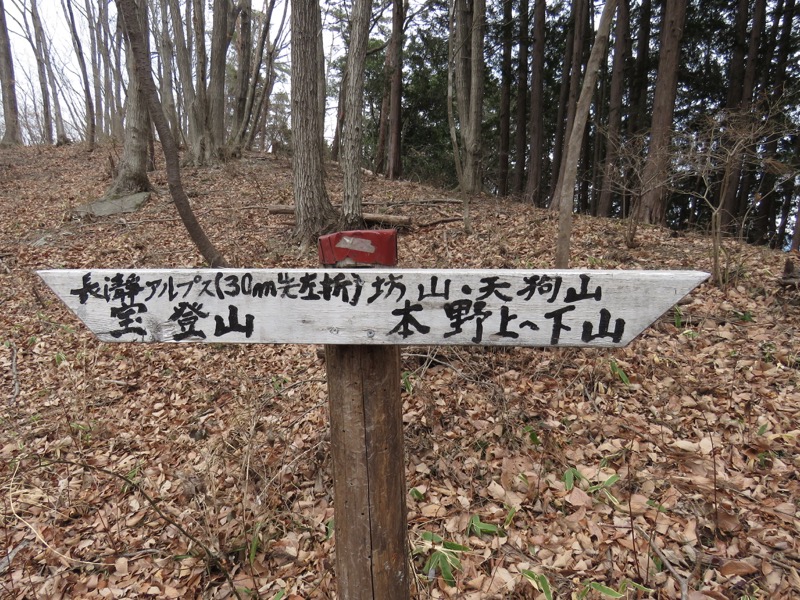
(14, 374)
(439, 222)
(682, 581)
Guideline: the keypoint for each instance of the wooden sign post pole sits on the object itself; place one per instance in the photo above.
(366, 416)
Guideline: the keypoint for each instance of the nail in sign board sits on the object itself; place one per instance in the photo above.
(590, 308)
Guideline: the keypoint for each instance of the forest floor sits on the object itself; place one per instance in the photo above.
(671, 462)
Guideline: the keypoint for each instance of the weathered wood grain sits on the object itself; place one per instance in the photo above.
(374, 306)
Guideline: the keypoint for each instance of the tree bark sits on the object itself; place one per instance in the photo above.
(132, 174)
(127, 8)
(578, 41)
(505, 100)
(38, 30)
(167, 48)
(637, 120)
(13, 134)
(729, 201)
(87, 89)
(470, 31)
(520, 119)
(395, 52)
(354, 114)
(652, 207)
(762, 226)
(576, 135)
(535, 189)
(314, 213)
(621, 45)
(563, 98)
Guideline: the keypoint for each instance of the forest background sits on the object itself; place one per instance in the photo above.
(692, 120)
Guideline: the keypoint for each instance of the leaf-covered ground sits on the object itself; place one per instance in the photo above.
(173, 471)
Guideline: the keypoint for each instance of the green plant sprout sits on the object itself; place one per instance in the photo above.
(678, 317)
(617, 372)
(533, 436)
(478, 527)
(443, 557)
(540, 582)
(605, 489)
(408, 385)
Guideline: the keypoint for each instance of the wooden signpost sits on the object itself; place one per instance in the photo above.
(363, 316)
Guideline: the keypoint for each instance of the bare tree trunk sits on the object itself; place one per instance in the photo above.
(61, 134)
(638, 95)
(520, 134)
(223, 23)
(127, 8)
(167, 48)
(132, 174)
(621, 45)
(354, 114)
(34, 39)
(87, 89)
(94, 62)
(576, 135)
(505, 100)
(578, 40)
(563, 100)
(395, 52)
(314, 213)
(652, 207)
(729, 202)
(253, 78)
(244, 50)
(12, 135)
(470, 30)
(535, 189)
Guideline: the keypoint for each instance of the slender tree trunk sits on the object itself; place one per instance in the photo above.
(563, 100)
(762, 225)
(132, 173)
(729, 202)
(536, 187)
(34, 39)
(13, 134)
(395, 52)
(336, 143)
(579, 37)
(248, 125)
(521, 130)
(314, 213)
(95, 66)
(621, 45)
(127, 8)
(201, 142)
(354, 114)
(244, 50)
(58, 115)
(576, 135)
(167, 48)
(652, 207)
(87, 88)
(185, 76)
(505, 100)
(637, 121)
(223, 21)
(470, 30)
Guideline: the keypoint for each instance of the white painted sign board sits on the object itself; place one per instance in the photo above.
(371, 306)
